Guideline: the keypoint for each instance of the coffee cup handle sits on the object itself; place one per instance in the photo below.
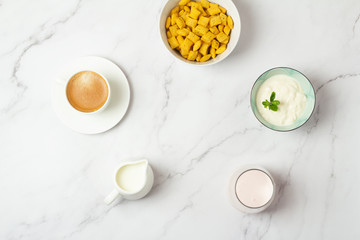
(112, 196)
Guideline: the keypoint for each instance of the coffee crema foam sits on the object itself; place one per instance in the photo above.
(87, 91)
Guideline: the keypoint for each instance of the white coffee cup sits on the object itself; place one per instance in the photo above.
(66, 83)
(251, 189)
(132, 180)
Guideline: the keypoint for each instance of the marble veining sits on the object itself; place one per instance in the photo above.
(193, 124)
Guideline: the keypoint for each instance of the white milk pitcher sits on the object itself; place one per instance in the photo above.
(133, 180)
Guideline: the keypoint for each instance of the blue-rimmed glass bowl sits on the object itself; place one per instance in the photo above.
(304, 83)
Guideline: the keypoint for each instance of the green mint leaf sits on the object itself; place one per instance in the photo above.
(273, 107)
(272, 97)
(276, 102)
(273, 104)
(265, 103)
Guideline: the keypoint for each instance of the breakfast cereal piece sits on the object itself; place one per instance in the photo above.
(175, 10)
(221, 28)
(200, 30)
(205, 3)
(213, 9)
(194, 13)
(192, 55)
(223, 10)
(197, 45)
(168, 34)
(192, 4)
(184, 53)
(223, 18)
(213, 4)
(173, 29)
(203, 21)
(213, 52)
(187, 9)
(198, 57)
(182, 13)
(227, 30)
(183, 32)
(174, 16)
(215, 44)
(214, 30)
(190, 22)
(181, 7)
(221, 37)
(184, 16)
(168, 21)
(215, 20)
(183, 2)
(204, 49)
(200, 8)
(208, 37)
(173, 42)
(180, 22)
(226, 41)
(180, 39)
(205, 14)
(205, 58)
(187, 44)
(193, 37)
(221, 49)
(230, 22)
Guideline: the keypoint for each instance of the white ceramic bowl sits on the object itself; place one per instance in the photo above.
(234, 35)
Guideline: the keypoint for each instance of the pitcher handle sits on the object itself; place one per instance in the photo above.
(112, 196)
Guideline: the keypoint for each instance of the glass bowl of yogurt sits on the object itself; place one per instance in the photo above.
(294, 99)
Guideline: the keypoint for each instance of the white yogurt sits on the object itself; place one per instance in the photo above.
(289, 93)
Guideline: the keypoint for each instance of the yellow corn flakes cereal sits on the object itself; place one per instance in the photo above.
(208, 37)
(183, 2)
(168, 22)
(213, 52)
(227, 30)
(214, 30)
(173, 42)
(215, 44)
(215, 20)
(192, 55)
(193, 37)
(203, 21)
(198, 30)
(204, 49)
(205, 58)
(194, 13)
(221, 49)
(230, 22)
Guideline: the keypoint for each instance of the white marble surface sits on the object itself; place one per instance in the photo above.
(194, 125)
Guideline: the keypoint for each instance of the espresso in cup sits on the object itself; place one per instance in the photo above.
(87, 91)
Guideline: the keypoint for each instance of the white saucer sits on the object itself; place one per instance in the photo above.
(97, 122)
